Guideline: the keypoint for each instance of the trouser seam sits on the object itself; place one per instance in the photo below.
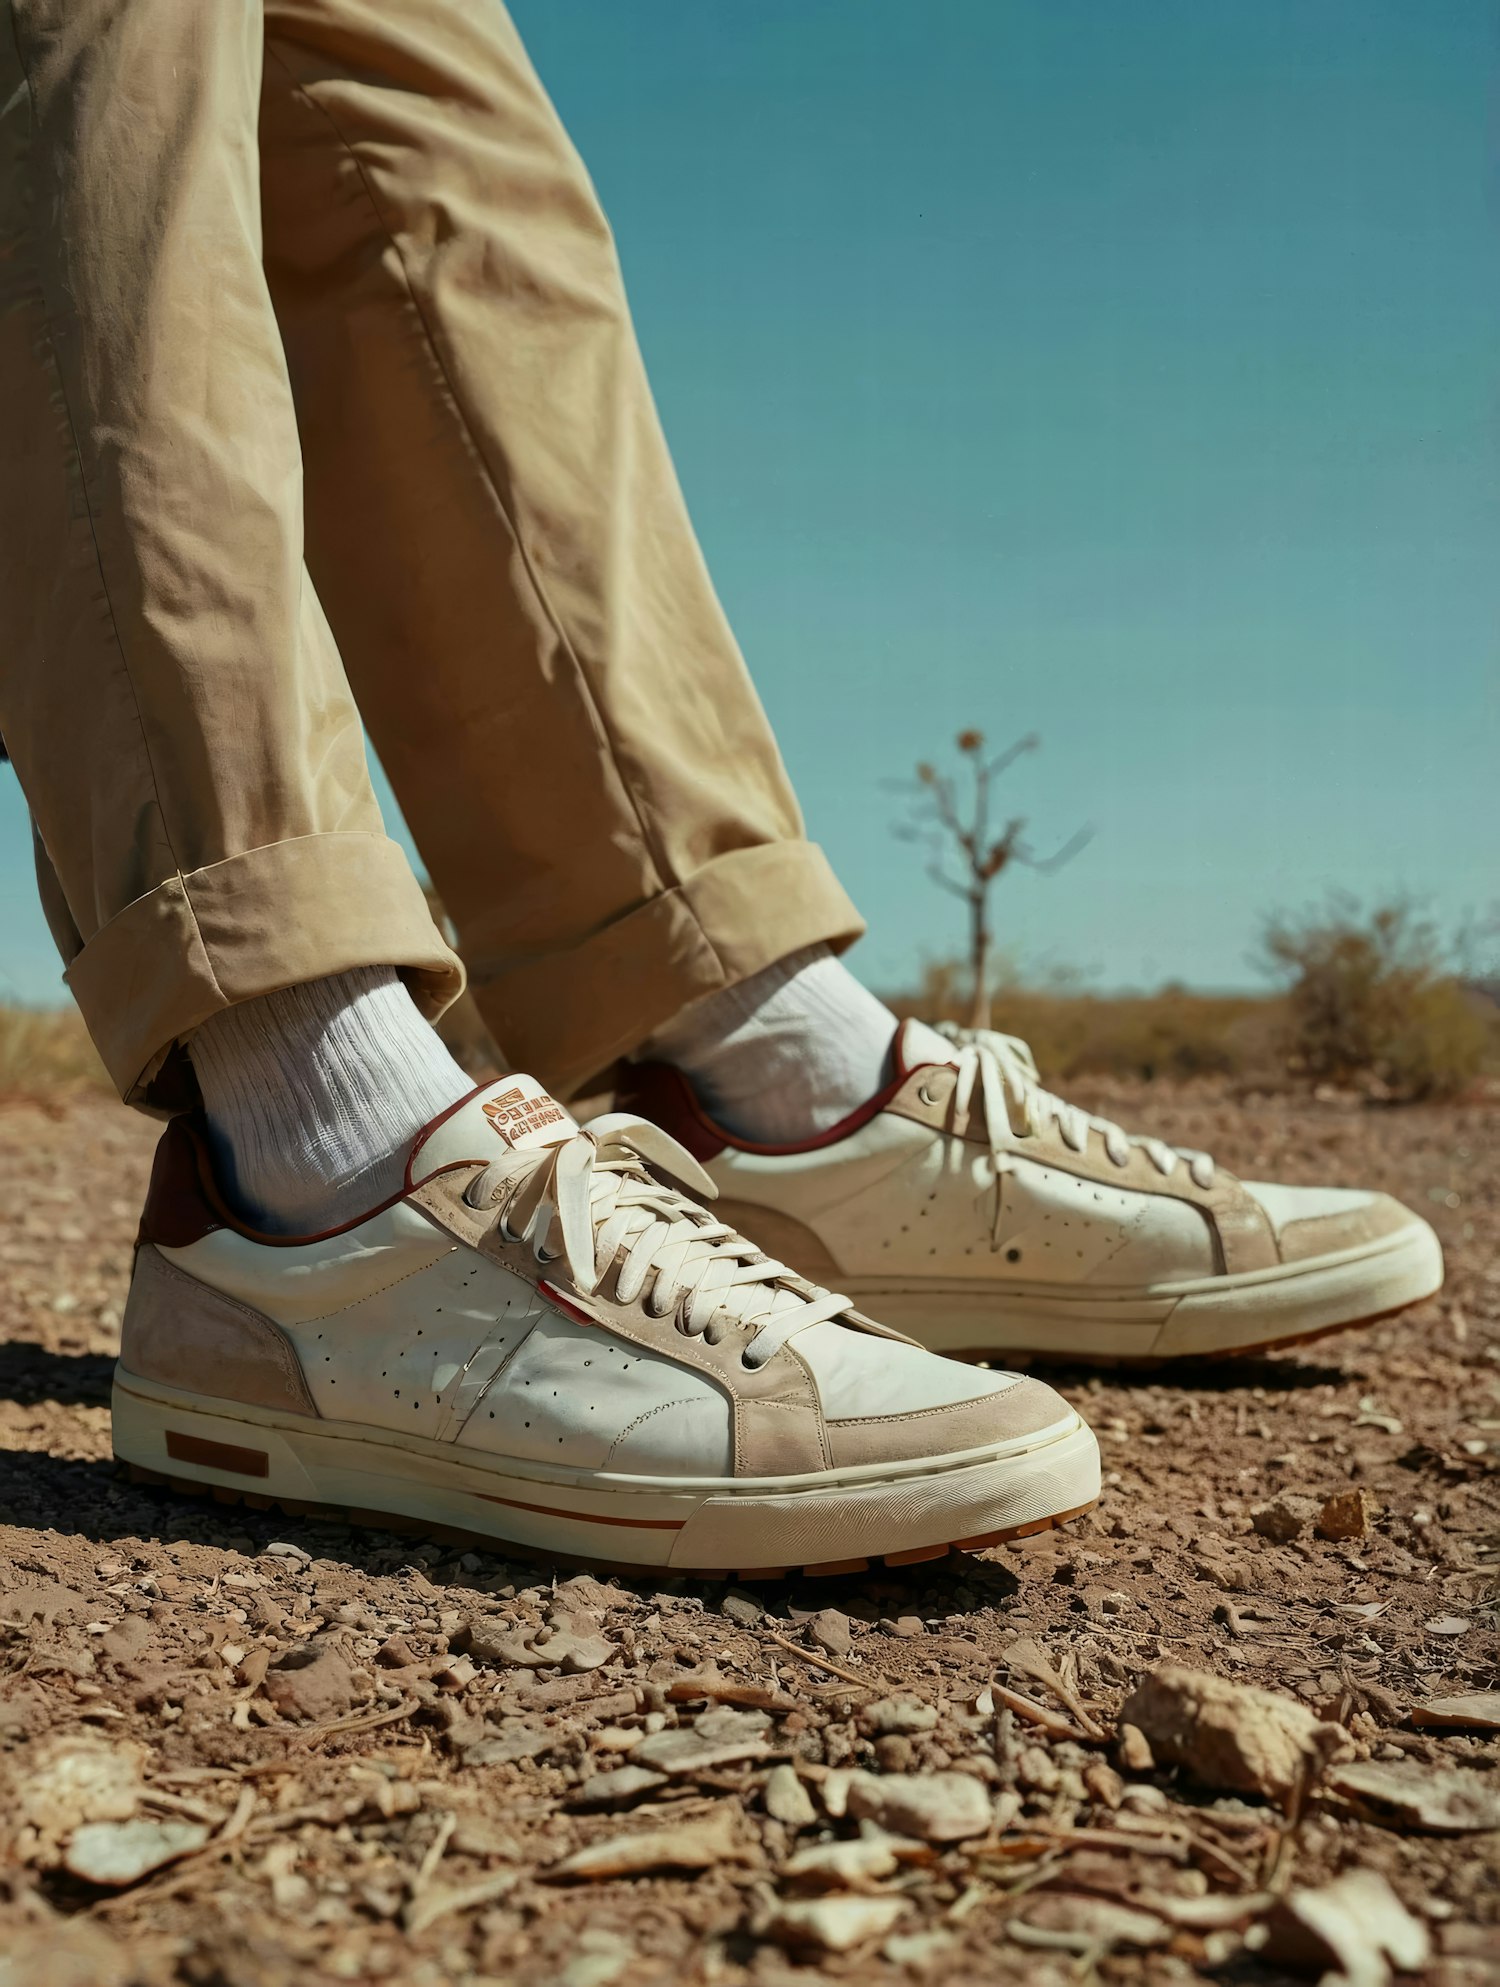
(664, 870)
(32, 126)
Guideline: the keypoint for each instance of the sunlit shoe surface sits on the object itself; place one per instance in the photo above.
(544, 1344)
(973, 1209)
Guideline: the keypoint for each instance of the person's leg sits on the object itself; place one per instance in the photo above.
(169, 690)
(496, 527)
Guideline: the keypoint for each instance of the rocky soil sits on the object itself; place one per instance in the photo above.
(1238, 1724)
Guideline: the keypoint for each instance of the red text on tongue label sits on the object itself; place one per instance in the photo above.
(514, 1115)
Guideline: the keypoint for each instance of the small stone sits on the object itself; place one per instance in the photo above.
(1346, 1515)
(1136, 1755)
(905, 1625)
(1037, 1770)
(282, 1549)
(518, 1742)
(618, 1787)
(1449, 1624)
(1436, 1800)
(905, 1715)
(694, 1845)
(787, 1800)
(314, 1681)
(937, 1807)
(456, 1674)
(1354, 1929)
(858, 1865)
(833, 1924)
(1085, 1924)
(1103, 1784)
(1229, 1735)
(685, 1752)
(121, 1852)
(740, 1607)
(1476, 1711)
(724, 1725)
(394, 1654)
(1285, 1518)
(830, 1632)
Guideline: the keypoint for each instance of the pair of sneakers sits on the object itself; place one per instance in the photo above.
(548, 1343)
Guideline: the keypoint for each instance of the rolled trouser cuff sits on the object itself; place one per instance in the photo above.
(567, 1014)
(269, 918)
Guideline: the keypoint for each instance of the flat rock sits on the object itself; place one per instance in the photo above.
(1475, 1711)
(830, 1631)
(1285, 1518)
(787, 1800)
(517, 1742)
(936, 1807)
(1354, 1929)
(1434, 1800)
(1346, 1515)
(618, 1787)
(121, 1852)
(313, 1682)
(1229, 1735)
(858, 1865)
(833, 1924)
(695, 1845)
(63, 1781)
(678, 1752)
(905, 1715)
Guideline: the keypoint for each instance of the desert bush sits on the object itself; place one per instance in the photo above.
(1371, 1001)
(46, 1051)
(1170, 1034)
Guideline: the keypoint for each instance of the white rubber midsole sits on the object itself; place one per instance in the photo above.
(687, 1523)
(1163, 1321)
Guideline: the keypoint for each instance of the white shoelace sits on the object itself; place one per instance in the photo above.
(1002, 1069)
(587, 1198)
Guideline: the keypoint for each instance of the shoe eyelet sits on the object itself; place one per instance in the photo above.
(926, 1096)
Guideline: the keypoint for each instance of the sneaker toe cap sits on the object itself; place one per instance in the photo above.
(1011, 1413)
(1321, 1221)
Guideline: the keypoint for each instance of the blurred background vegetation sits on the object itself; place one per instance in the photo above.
(1377, 1003)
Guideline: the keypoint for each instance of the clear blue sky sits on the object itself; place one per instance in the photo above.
(1126, 374)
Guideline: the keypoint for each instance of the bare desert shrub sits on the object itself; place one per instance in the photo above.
(1372, 1002)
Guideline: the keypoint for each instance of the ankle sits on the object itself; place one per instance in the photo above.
(314, 1094)
(786, 1054)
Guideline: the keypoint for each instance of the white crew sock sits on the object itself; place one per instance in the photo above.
(785, 1054)
(314, 1096)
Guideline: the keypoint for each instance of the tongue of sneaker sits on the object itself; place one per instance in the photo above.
(514, 1113)
(918, 1045)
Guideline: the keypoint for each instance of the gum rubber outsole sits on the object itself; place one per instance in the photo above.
(501, 1548)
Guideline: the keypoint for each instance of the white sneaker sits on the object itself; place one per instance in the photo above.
(978, 1212)
(540, 1345)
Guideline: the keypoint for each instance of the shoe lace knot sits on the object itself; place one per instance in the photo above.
(592, 1201)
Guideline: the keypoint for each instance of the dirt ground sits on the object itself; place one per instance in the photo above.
(342, 1756)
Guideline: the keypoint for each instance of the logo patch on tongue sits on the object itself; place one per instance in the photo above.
(522, 1116)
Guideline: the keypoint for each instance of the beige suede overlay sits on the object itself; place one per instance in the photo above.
(779, 1429)
(1241, 1227)
(1323, 1234)
(180, 1332)
(305, 291)
(1024, 1409)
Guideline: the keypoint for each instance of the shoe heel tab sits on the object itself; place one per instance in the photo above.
(182, 1205)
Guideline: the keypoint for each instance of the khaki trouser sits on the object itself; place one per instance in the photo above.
(334, 265)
